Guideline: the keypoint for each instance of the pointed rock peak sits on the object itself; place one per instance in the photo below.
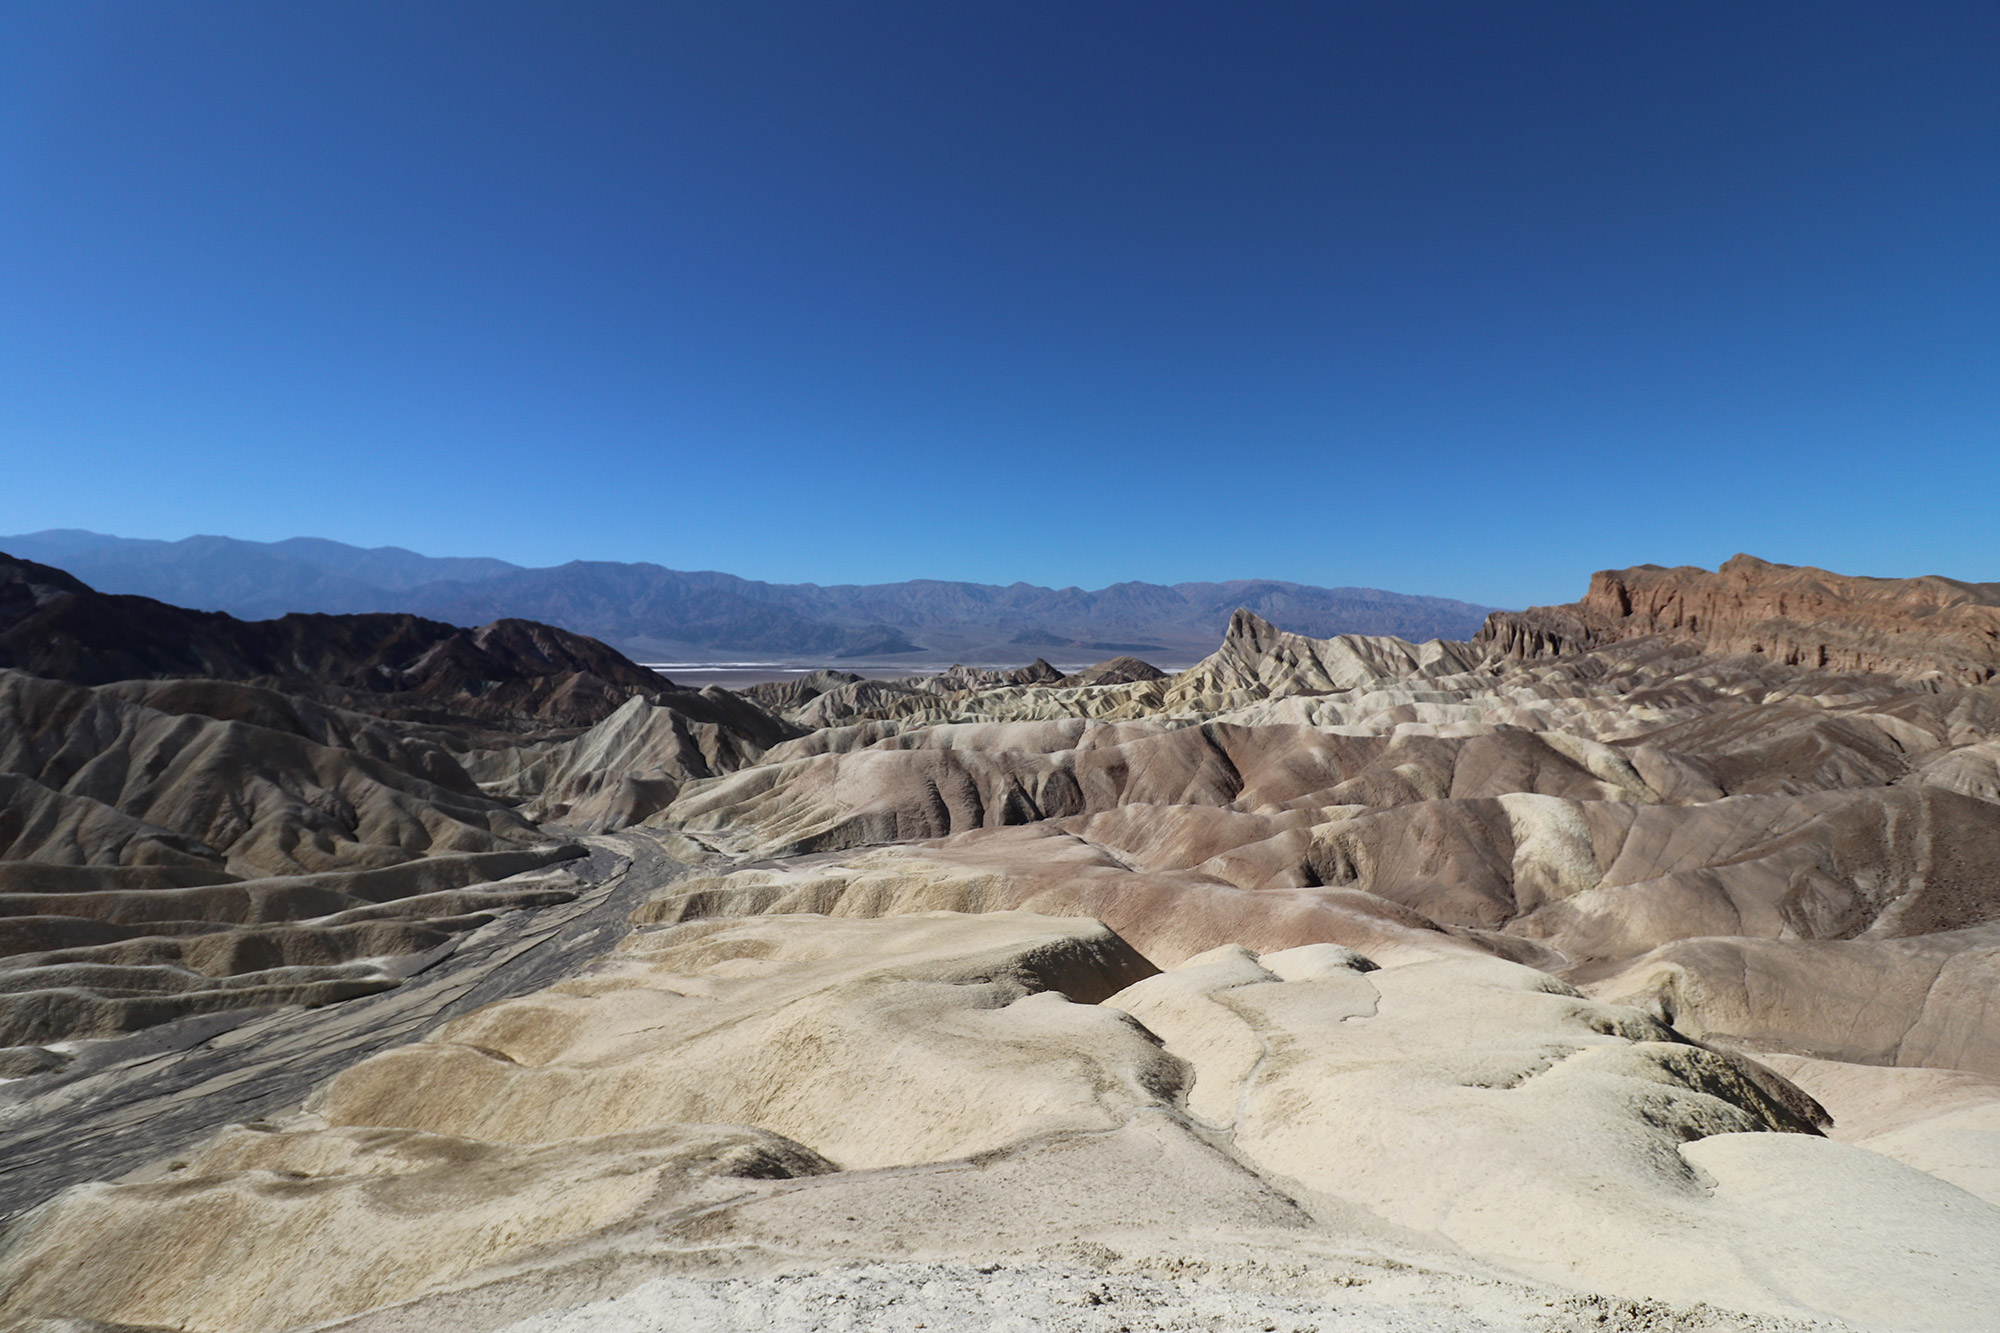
(1038, 672)
(1251, 630)
(1742, 563)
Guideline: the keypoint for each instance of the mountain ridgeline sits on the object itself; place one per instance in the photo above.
(654, 613)
(56, 626)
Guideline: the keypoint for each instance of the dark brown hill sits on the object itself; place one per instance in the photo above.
(54, 625)
(1794, 615)
(200, 813)
(160, 862)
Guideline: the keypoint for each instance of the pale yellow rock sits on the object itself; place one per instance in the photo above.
(1560, 1138)
(1944, 1122)
(693, 1062)
(267, 1231)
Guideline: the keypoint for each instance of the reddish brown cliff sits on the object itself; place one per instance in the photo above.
(1793, 614)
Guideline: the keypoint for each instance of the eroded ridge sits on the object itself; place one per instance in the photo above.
(1438, 983)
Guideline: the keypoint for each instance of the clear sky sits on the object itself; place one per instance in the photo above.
(1464, 299)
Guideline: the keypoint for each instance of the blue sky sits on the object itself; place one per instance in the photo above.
(1459, 299)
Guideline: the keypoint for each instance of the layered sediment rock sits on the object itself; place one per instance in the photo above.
(177, 846)
(1799, 616)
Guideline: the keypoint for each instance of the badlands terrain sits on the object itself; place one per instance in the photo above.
(1633, 964)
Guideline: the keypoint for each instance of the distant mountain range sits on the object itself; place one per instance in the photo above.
(394, 664)
(654, 613)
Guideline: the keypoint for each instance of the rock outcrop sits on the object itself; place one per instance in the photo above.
(1929, 627)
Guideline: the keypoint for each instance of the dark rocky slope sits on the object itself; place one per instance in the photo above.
(202, 813)
(54, 625)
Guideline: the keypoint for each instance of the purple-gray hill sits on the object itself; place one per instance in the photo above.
(654, 613)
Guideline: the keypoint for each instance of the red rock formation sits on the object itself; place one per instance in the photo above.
(1795, 615)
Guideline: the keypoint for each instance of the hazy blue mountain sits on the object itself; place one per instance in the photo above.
(386, 566)
(650, 611)
(255, 580)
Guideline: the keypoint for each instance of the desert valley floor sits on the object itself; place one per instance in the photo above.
(1632, 965)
